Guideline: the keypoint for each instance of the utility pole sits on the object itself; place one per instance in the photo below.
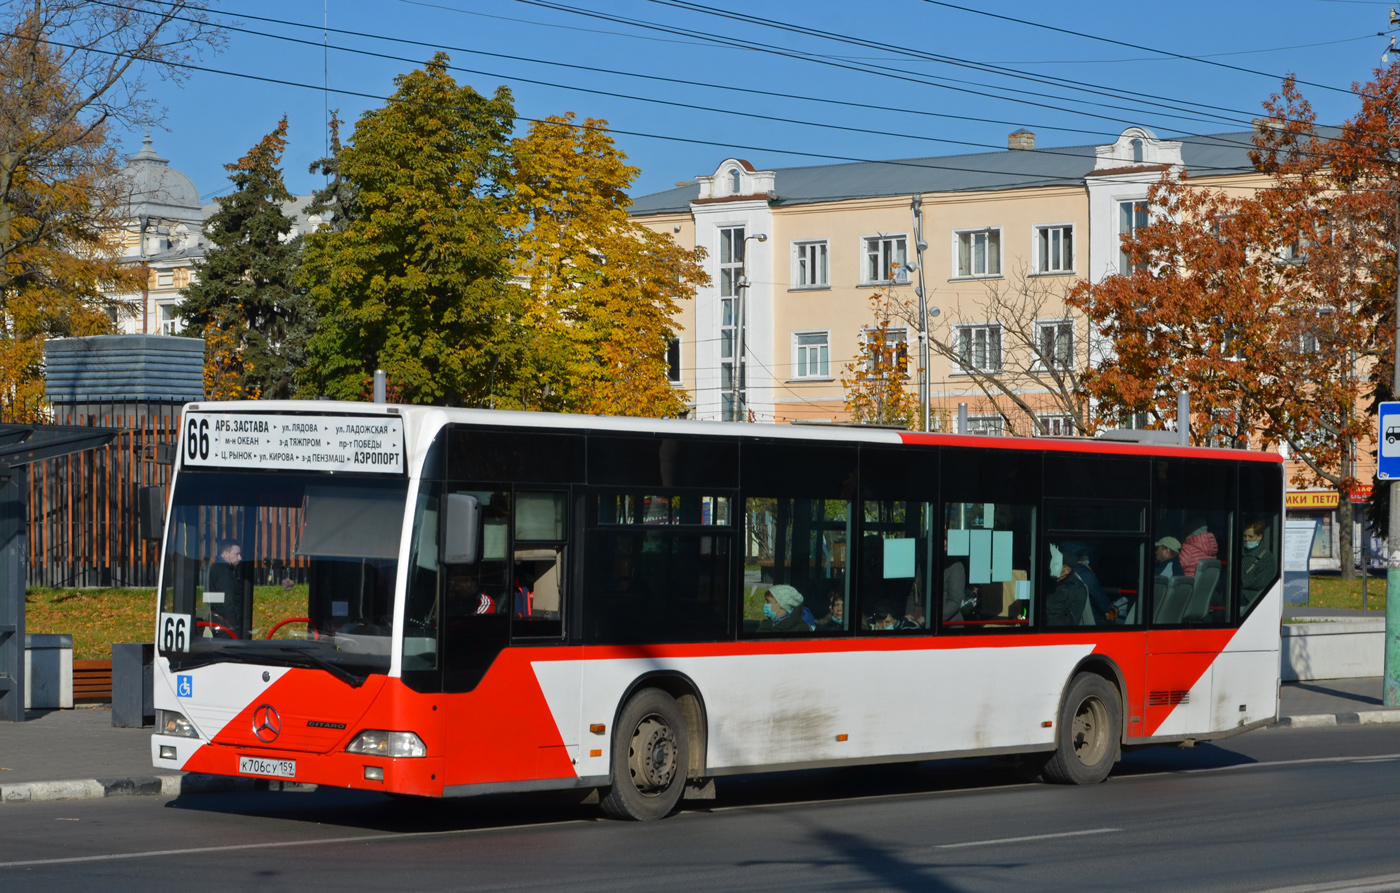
(740, 317)
(916, 206)
(1391, 695)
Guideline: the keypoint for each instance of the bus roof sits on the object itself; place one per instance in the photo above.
(435, 416)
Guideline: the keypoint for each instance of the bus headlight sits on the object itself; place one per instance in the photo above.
(387, 744)
(168, 722)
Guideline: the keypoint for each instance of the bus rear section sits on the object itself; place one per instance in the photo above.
(533, 602)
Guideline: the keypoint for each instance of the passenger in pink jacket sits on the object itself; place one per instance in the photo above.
(1199, 544)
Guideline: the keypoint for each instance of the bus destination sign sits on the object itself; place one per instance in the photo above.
(294, 442)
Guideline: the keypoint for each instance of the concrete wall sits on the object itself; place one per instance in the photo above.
(1333, 650)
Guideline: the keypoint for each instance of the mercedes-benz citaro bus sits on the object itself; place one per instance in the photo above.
(444, 602)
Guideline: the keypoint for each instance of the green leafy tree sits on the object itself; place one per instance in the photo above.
(418, 282)
(334, 202)
(603, 289)
(245, 291)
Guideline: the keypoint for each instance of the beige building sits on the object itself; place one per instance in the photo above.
(1006, 235)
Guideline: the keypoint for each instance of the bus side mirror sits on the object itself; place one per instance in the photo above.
(150, 511)
(461, 529)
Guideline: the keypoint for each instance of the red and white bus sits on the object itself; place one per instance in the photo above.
(446, 602)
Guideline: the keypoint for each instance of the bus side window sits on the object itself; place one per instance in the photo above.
(1194, 518)
(1260, 485)
(987, 553)
(799, 519)
(477, 598)
(537, 586)
(894, 560)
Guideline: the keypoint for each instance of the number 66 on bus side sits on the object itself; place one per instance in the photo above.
(174, 632)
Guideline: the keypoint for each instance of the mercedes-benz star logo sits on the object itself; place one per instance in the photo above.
(267, 725)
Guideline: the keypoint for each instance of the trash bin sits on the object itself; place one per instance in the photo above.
(133, 690)
(48, 671)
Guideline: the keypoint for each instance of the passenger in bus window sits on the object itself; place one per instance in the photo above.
(1105, 612)
(954, 585)
(1199, 543)
(886, 617)
(1168, 564)
(836, 617)
(1259, 565)
(1065, 606)
(783, 611)
(226, 577)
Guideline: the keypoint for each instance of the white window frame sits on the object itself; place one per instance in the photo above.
(968, 330)
(820, 251)
(1135, 223)
(1057, 424)
(802, 359)
(1043, 324)
(1067, 256)
(899, 245)
(898, 335)
(985, 424)
(986, 232)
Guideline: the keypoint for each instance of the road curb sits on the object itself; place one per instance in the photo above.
(137, 786)
(1323, 720)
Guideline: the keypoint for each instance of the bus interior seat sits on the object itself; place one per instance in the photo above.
(1159, 596)
(1206, 579)
(1173, 607)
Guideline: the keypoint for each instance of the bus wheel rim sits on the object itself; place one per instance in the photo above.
(652, 755)
(1089, 731)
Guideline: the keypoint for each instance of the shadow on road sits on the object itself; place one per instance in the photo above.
(379, 812)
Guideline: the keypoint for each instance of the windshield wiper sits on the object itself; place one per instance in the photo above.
(287, 658)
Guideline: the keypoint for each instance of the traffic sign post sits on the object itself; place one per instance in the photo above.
(1388, 469)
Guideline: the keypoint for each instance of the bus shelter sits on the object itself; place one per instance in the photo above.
(21, 446)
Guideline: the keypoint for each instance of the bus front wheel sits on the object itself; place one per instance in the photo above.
(649, 758)
(1090, 729)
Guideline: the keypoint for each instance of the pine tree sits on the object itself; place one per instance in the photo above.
(245, 291)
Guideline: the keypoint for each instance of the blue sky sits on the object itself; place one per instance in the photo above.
(899, 78)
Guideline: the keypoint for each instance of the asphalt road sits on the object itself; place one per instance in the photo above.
(1298, 810)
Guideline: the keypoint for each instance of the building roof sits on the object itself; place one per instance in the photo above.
(155, 189)
(1209, 155)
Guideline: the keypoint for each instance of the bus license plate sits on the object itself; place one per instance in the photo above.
(260, 766)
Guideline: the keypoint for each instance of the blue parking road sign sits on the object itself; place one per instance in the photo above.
(1389, 440)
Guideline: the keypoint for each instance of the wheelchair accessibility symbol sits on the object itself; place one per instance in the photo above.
(184, 686)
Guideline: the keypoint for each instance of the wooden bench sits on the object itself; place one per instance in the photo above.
(92, 680)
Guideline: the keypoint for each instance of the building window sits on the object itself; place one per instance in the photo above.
(673, 359)
(979, 252)
(1055, 342)
(994, 425)
(731, 270)
(169, 323)
(809, 264)
(979, 348)
(889, 349)
(1132, 216)
(811, 355)
(1056, 425)
(884, 260)
(734, 182)
(1054, 249)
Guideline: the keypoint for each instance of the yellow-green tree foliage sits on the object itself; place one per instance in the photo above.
(877, 380)
(59, 209)
(418, 281)
(603, 289)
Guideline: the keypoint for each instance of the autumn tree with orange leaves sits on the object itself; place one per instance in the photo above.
(1263, 306)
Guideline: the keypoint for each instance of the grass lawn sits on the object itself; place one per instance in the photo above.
(1333, 592)
(98, 617)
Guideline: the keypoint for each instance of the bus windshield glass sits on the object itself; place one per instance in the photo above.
(283, 569)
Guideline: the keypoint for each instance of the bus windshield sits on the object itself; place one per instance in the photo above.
(283, 569)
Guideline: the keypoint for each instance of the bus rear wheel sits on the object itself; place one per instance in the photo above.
(1090, 729)
(650, 755)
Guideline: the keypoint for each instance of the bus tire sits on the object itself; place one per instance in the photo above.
(1086, 745)
(650, 756)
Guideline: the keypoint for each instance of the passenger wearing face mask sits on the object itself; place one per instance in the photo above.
(783, 611)
(1258, 565)
(886, 617)
(1065, 606)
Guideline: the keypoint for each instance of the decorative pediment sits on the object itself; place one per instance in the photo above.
(1137, 147)
(736, 178)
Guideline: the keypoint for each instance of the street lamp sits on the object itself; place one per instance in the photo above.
(916, 207)
(740, 314)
